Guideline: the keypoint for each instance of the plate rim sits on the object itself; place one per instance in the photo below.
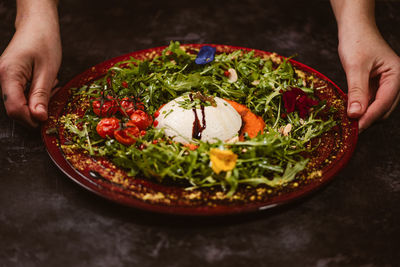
(65, 166)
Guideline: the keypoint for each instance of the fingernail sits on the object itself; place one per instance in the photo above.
(355, 107)
(40, 108)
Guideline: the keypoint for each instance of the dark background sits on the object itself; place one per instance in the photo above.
(48, 220)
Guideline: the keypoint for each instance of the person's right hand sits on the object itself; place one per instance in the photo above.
(372, 67)
(33, 55)
(373, 75)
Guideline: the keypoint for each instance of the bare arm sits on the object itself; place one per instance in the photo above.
(33, 54)
(371, 66)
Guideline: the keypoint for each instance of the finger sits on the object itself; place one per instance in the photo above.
(358, 91)
(40, 92)
(55, 83)
(54, 91)
(385, 101)
(387, 114)
(13, 85)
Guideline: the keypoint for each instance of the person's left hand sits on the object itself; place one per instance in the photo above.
(33, 55)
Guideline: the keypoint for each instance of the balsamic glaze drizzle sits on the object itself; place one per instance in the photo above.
(197, 127)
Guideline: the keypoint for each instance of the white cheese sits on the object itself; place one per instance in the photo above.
(222, 122)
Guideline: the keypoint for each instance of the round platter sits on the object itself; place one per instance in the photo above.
(141, 193)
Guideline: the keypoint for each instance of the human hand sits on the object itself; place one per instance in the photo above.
(34, 54)
(372, 68)
(373, 75)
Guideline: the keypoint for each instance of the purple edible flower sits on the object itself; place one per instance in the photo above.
(205, 55)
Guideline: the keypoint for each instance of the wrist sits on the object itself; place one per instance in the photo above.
(357, 32)
(34, 12)
(355, 18)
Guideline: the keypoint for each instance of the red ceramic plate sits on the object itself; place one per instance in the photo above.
(148, 195)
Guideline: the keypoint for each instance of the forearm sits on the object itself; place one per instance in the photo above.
(29, 11)
(37, 19)
(354, 16)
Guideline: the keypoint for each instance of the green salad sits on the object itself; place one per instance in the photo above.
(269, 86)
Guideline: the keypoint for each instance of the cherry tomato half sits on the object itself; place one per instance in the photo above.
(105, 109)
(140, 105)
(127, 136)
(141, 119)
(107, 126)
(126, 106)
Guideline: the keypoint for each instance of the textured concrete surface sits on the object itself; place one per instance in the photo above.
(47, 220)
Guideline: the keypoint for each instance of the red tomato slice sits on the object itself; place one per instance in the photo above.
(126, 106)
(107, 126)
(141, 119)
(105, 109)
(128, 135)
(140, 105)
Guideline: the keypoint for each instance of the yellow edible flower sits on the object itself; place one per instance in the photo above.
(222, 160)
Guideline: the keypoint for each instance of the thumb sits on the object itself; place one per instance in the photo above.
(40, 91)
(358, 91)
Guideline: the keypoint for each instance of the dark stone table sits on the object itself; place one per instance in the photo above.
(48, 220)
